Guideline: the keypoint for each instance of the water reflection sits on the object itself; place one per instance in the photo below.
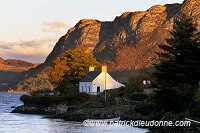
(23, 123)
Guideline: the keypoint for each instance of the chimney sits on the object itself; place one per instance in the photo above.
(91, 68)
(104, 68)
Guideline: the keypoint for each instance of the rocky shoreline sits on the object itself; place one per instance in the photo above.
(73, 113)
(50, 112)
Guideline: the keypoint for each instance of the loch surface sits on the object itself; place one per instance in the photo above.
(25, 123)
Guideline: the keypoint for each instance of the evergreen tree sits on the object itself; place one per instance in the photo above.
(178, 72)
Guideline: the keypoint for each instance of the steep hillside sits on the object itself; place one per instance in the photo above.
(127, 43)
(9, 69)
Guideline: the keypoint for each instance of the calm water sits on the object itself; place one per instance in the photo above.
(21, 123)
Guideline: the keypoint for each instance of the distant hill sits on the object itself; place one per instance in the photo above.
(17, 63)
(10, 68)
(14, 65)
(127, 43)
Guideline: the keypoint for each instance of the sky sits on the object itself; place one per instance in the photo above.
(29, 29)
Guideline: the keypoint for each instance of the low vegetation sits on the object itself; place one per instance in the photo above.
(39, 99)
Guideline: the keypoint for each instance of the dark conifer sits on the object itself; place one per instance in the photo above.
(178, 72)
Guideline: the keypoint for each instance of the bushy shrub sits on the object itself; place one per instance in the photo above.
(194, 112)
(77, 98)
(135, 82)
(138, 96)
(146, 108)
(70, 99)
(175, 98)
(197, 96)
(42, 100)
(66, 88)
(25, 98)
(94, 102)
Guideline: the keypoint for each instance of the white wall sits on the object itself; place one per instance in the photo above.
(107, 81)
(85, 87)
(101, 80)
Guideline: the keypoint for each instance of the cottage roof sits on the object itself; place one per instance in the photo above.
(90, 76)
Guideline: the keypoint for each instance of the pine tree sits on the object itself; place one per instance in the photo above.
(178, 72)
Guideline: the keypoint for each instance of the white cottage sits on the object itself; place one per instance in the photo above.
(97, 81)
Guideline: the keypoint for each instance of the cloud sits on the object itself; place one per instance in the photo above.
(33, 51)
(4, 46)
(55, 27)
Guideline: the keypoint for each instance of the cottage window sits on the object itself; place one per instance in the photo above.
(88, 88)
(82, 88)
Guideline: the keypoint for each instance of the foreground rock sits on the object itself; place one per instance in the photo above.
(26, 109)
(72, 113)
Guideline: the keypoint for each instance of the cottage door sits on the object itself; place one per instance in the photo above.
(98, 88)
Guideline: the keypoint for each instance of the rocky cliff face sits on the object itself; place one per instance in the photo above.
(192, 7)
(129, 42)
